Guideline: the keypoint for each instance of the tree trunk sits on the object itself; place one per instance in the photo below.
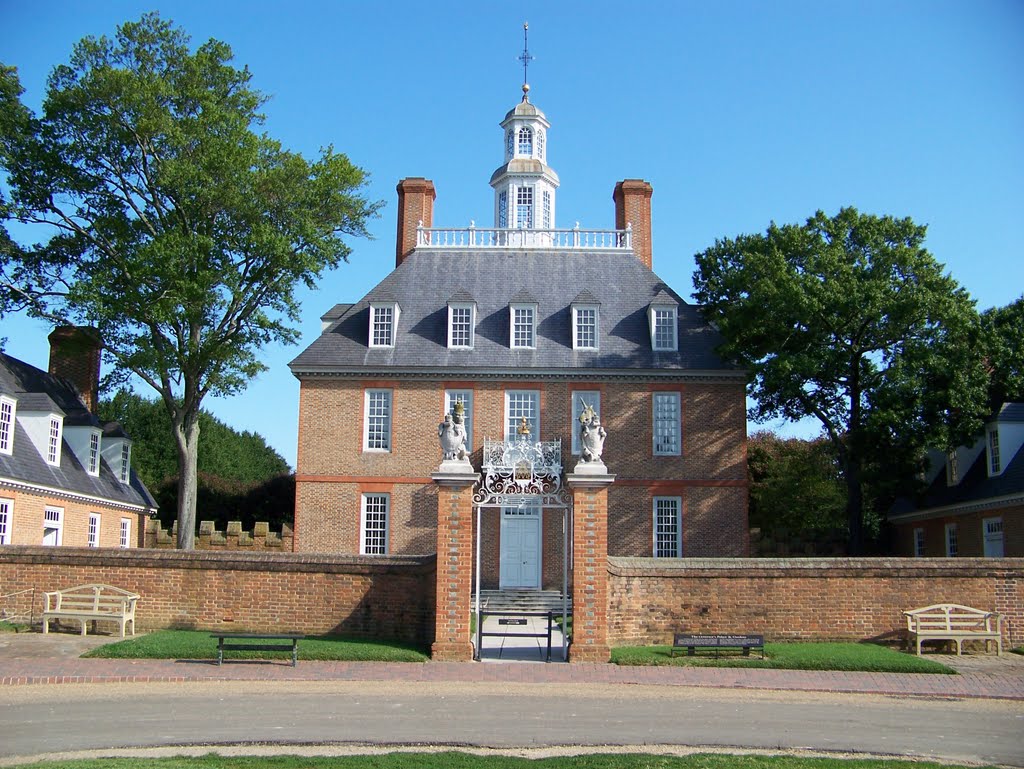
(188, 459)
(854, 506)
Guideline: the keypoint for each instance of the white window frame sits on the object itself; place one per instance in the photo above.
(6, 520)
(593, 398)
(578, 326)
(451, 397)
(524, 209)
(126, 533)
(664, 316)
(125, 473)
(388, 326)
(524, 142)
(518, 399)
(545, 215)
(995, 464)
(370, 402)
(667, 427)
(94, 453)
(503, 209)
(953, 468)
(380, 544)
(529, 328)
(53, 518)
(919, 543)
(461, 307)
(54, 439)
(93, 531)
(8, 412)
(952, 541)
(676, 549)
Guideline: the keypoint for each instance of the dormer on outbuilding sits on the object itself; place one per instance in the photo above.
(43, 422)
(117, 451)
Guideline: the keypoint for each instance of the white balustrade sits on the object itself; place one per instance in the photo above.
(484, 238)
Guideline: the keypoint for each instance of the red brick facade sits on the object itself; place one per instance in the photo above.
(26, 516)
(969, 533)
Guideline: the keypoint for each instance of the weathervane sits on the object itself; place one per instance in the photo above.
(525, 58)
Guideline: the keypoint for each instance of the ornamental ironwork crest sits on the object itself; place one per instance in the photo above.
(519, 471)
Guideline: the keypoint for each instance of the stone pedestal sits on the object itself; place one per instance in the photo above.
(454, 562)
(589, 484)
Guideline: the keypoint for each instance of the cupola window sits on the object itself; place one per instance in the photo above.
(503, 209)
(524, 208)
(510, 144)
(525, 141)
(540, 144)
(546, 210)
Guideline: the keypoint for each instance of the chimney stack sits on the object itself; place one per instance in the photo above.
(633, 206)
(75, 356)
(415, 204)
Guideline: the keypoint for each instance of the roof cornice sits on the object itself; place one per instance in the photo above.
(960, 508)
(575, 374)
(36, 488)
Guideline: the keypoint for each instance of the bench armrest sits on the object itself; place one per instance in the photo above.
(52, 600)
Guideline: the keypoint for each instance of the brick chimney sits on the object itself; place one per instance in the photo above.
(633, 206)
(415, 204)
(75, 356)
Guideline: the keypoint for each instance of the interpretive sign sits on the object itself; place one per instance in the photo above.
(693, 641)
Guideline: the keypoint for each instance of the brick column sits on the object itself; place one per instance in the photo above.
(454, 566)
(590, 567)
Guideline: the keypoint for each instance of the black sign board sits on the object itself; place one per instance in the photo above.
(511, 620)
(704, 639)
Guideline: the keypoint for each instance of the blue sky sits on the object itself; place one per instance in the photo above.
(738, 113)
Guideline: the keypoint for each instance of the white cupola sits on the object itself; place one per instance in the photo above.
(524, 187)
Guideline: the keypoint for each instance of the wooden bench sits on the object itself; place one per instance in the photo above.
(953, 622)
(91, 603)
(693, 641)
(239, 642)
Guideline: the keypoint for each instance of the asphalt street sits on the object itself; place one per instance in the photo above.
(38, 720)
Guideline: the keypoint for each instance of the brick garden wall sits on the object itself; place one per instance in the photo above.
(810, 598)
(373, 597)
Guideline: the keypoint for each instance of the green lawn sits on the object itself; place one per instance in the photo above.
(789, 656)
(455, 760)
(197, 644)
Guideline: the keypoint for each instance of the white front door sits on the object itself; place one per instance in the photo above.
(993, 537)
(520, 548)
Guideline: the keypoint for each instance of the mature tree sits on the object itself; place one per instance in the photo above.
(175, 227)
(849, 320)
(1004, 351)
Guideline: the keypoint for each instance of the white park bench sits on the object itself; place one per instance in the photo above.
(89, 603)
(953, 622)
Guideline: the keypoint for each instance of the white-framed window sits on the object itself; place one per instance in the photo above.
(953, 468)
(53, 526)
(524, 208)
(523, 321)
(579, 397)
(663, 321)
(668, 530)
(540, 144)
(525, 141)
(94, 453)
(584, 327)
(510, 144)
(952, 544)
(995, 464)
(461, 321)
(7, 411)
(545, 210)
(377, 421)
(465, 397)
(6, 514)
(373, 524)
(126, 461)
(93, 532)
(54, 440)
(383, 322)
(126, 533)
(503, 209)
(667, 425)
(519, 405)
(992, 537)
(919, 543)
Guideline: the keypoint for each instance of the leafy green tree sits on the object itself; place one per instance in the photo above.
(174, 225)
(1004, 352)
(848, 319)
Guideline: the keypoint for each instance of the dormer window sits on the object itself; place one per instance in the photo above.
(383, 322)
(461, 321)
(94, 453)
(523, 319)
(7, 412)
(54, 438)
(525, 141)
(995, 465)
(663, 321)
(126, 462)
(585, 318)
(952, 468)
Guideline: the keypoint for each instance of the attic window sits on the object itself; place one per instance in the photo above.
(94, 453)
(54, 441)
(126, 457)
(383, 322)
(995, 464)
(460, 325)
(7, 409)
(523, 324)
(584, 326)
(663, 321)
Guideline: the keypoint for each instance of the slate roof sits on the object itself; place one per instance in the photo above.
(428, 278)
(32, 387)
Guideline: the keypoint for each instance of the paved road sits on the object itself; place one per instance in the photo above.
(506, 714)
